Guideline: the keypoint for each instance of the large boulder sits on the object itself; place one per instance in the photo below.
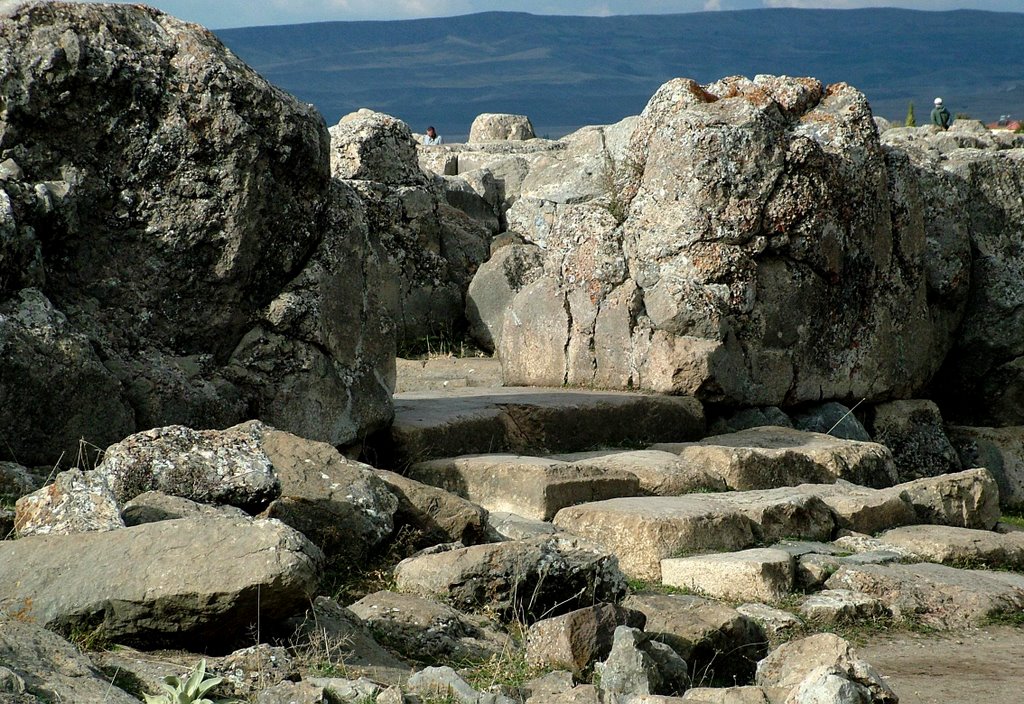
(432, 248)
(1000, 451)
(175, 251)
(187, 581)
(761, 248)
(496, 127)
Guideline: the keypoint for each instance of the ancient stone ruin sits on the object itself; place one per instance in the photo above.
(756, 382)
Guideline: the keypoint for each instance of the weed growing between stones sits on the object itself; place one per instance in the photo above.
(346, 580)
(619, 182)
(188, 691)
(1013, 518)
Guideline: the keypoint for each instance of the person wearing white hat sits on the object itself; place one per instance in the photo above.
(940, 115)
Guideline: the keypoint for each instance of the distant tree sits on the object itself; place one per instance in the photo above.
(911, 121)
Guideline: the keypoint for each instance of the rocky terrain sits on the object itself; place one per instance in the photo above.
(755, 394)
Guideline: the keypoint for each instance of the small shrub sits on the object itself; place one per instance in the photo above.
(910, 120)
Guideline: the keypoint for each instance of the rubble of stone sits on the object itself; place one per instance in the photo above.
(768, 311)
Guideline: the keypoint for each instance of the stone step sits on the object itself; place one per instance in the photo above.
(642, 531)
(474, 421)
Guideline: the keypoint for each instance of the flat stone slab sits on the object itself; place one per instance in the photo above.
(833, 606)
(959, 546)
(660, 473)
(521, 420)
(940, 596)
(533, 487)
(761, 574)
(773, 456)
(641, 531)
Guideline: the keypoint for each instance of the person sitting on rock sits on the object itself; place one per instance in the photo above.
(432, 137)
(940, 115)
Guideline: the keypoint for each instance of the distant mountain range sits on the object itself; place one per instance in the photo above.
(565, 72)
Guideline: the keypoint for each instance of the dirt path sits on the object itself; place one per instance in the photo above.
(983, 666)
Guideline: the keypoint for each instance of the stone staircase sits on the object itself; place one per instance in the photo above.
(762, 515)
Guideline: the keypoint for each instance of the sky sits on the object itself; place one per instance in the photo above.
(220, 14)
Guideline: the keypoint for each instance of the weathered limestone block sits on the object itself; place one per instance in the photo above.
(969, 499)
(153, 506)
(769, 457)
(495, 127)
(789, 665)
(578, 639)
(659, 473)
(493, 288)
(959, 546)
(533, 487)
(439, 516)
(940, 596)
(639, 665)
(761, 574)
(642, 531)
(833, 606)
(129, 584)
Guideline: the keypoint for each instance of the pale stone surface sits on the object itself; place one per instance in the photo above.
(639, 665)
(659, 473)
(789, 665)
(533, 487)
(969, 499)
(940, 596)
(773, 620)
(726, 695)
(642, 531)
(511, 526)
(692, 273)
(578, 639)
(833, 606)
(76, 502)
(496, 127)
(532, 421)
(434, 682)
(494, 286)
(1000, 451)
(959, 546)
(760, 574)
(769, 457)
(130, 584)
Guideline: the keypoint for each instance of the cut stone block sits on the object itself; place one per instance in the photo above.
(773, 456)
(969, 499)
(533, 487)
(774, 621)
(660, 473)
(760, 574)
(940, 596)
(959, 546)
(913, 432)
(642, 531)
(531, 421)
(834, 606)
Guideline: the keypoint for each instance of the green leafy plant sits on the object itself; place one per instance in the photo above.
(189, 691)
